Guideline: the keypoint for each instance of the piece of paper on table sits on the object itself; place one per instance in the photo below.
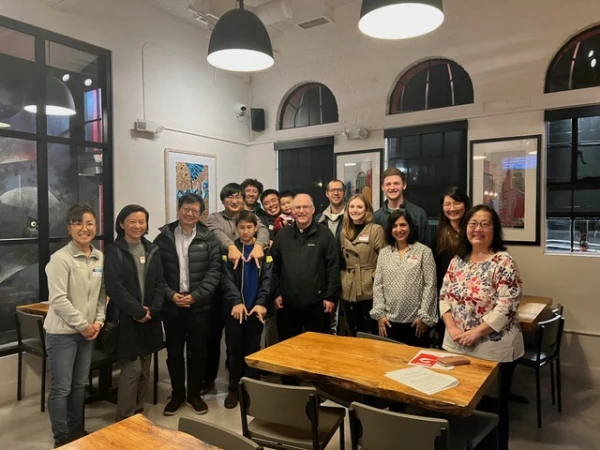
(428, 358)
(423, 380)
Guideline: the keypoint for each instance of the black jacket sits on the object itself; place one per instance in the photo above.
(306, 266)
(123, 288)
(204, 267)
(269, 222)
(232, 280)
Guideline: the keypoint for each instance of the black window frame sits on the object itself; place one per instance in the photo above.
(287, 103)
(43, 139)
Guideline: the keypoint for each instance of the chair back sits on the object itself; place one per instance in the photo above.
(558, 311)
(377, 429)
(549, 335)
(376, 337)
(294, 406)
(215, 435)
(30, 327)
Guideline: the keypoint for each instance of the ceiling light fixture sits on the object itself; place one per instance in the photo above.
(59, 101)
(400, 19)
(4, 125)
(240, 42)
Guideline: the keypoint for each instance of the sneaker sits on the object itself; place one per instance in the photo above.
(206, 387)
(231, 401)
(198, 405)
(173, 406)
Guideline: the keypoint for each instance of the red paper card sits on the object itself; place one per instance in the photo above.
(424, 359)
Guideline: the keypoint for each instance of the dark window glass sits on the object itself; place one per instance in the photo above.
(307, 170)
(435, 83)
(559, 164)
(431, 162)
(576, 65)
(307, 105)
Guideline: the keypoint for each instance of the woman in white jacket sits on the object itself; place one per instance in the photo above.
(75, 317)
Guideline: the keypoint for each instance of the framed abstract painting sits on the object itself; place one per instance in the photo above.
(190, 173)
(361, 173)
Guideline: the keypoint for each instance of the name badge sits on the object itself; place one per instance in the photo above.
(310, 245)
(413, 259)
(271, 227)
(142, 260)
(364, 237)
(97, 273)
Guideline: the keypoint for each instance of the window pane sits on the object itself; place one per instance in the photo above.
(74, 83)
(587, 235)
(19, 284)
(559, 164)
(414, 93)
(558, 200)
(586, 200)
(589, 129)
(410, 146)
(440, 92)
(454, 142)
(432, 144)
(558, 235)
(588, 163)
(585, 72)
(18, 188)
(17, 55)
(560, 132)
(74, 176)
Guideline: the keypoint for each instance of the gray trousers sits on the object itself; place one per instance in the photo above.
(269, 334)
(133, 386)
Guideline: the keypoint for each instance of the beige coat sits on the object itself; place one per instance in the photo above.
(360, 257)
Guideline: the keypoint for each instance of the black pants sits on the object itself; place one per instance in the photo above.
(215, 335)
(293, 320)
(189, 331)
(405, 333)
(357, 316)
(242, 340)
(499, 406)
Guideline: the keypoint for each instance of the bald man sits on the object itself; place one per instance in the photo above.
(306, 271)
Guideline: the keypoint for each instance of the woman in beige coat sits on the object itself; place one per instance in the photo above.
(361, 239)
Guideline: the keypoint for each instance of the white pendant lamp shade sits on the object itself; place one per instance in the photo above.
(59, 101)
(240, 43)
(4, 125)
(400, 19)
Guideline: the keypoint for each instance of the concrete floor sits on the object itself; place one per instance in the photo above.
(24, 427)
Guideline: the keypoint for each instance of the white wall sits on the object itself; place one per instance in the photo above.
(181, 92)
(506, 47)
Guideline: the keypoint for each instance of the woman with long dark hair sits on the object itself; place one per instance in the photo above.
(479, 302)
(404, 289)
(135, 285)
(454, 203)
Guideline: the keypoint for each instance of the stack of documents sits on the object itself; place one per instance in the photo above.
(423, 380)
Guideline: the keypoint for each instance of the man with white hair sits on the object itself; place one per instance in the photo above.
(306, 273)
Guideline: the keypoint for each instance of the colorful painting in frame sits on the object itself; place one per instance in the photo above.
(190, 173)
(360, 171)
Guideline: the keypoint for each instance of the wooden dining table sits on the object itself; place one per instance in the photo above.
(138, 433)
(360, 365)
(40, 309)
(533, 309)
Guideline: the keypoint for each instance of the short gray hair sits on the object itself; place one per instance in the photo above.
(307, 195)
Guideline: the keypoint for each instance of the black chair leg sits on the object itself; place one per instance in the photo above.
(538, 397)
(552, 383)
(155, 399)
(20, 376)
(342, 436)
(558, 385)
(43, 393)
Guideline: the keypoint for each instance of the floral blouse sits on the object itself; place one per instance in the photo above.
(488, 291)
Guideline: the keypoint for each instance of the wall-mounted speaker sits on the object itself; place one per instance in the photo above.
(257, 118)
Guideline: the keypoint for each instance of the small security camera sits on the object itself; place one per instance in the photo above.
(240, 110)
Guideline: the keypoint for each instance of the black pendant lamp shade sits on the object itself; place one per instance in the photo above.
(400, 19)
(240, 43)
(59, 100)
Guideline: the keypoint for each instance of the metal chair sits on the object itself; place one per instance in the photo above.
(558, 311)
(288, 417)
(31, 339)
(376, 337)
(376, 429)
(548, 340)
(216, 435)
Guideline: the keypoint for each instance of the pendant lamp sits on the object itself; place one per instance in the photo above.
(400, 19)
(240, 42)
(59, 101)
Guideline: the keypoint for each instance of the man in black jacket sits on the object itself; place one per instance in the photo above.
(306, 270)
(192, 271)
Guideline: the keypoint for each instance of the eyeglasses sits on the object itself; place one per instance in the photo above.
(88, 225)
(195, 212)
(339, 190)
(483, 225)
(452, 205)
(234, 197)
(303, 207)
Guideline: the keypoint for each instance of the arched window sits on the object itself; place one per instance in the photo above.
(576, 65)
(308, 104)
(431, 84)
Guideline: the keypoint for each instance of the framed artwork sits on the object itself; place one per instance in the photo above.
(189, 172)
(361, 173)
(505, 175)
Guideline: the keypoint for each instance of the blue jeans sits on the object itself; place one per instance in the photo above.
(70, 356)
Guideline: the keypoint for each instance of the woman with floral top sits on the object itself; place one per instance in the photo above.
(479, 300)
(404, 289)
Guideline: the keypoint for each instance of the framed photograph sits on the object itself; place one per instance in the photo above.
(361, 173)
(189, 172)
(505, 175)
